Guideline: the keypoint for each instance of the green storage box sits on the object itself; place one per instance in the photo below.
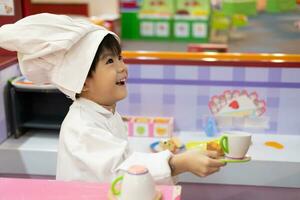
(129, 24)
(191, 29)
(245, 7)
(277, 6)
(156, 18)
(191, 20)
(219, 21)
(155, 27)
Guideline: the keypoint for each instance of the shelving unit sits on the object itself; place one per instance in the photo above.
(37, 109)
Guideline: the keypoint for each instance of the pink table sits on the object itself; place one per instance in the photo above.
(37, 189)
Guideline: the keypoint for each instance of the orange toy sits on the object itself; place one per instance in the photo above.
(214, 146)
(274, 144)
(172, 144)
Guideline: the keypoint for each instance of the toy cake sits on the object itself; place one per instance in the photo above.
(237, 103)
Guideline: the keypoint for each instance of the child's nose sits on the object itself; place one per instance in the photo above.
(122, 67)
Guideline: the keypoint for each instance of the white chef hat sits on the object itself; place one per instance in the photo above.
(54, 49)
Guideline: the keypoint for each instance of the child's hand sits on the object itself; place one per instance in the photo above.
(203, 163)
(198, 162)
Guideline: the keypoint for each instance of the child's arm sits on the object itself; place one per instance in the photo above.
(195, 161)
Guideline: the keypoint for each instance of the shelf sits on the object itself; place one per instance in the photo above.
(37, 90)
(37, 108)
(43, 123)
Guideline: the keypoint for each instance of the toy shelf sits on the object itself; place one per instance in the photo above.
(39, 123)
(34, 108)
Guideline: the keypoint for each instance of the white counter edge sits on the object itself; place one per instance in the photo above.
(35, 154)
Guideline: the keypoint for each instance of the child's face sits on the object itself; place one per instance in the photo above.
(107, 85)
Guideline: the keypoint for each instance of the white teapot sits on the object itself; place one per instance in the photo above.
(137, 184)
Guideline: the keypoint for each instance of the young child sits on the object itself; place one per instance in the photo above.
(84, 61)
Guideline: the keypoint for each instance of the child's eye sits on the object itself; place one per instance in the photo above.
(120, 58)
(109, 61)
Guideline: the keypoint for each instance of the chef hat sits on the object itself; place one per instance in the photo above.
(54, 49)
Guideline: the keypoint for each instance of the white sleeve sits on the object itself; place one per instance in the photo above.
(96, 153)
(157, 164)
(99, 155)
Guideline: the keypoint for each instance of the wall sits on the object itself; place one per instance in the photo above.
(56, 7)
(184, 91)
(11, 19)
(5, 75)
(95, 7)
(14, 18)
(101, 7)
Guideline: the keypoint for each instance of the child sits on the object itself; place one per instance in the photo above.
(84, 61)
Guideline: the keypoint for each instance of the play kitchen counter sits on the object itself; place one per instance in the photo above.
(33, 189)
(269, 166)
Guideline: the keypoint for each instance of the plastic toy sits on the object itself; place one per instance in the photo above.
(149, 126)
(23, 82)
(237, 103)
(206, 145)
(224, 25)
(239, 110)
(172, 144)
(210, 127)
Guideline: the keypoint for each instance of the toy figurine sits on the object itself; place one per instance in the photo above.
(172, 144)
(210, 127)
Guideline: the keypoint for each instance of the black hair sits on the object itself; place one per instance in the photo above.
(109, 43)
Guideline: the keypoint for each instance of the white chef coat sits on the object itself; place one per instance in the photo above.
(93, 147)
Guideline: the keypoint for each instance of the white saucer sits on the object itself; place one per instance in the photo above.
(247, 158)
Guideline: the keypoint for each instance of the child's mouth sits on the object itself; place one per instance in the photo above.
(121, 82)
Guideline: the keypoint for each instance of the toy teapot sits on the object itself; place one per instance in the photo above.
(136, 183)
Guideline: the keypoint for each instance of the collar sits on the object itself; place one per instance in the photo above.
(94, 106)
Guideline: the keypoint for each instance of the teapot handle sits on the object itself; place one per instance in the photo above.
(113, 186)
